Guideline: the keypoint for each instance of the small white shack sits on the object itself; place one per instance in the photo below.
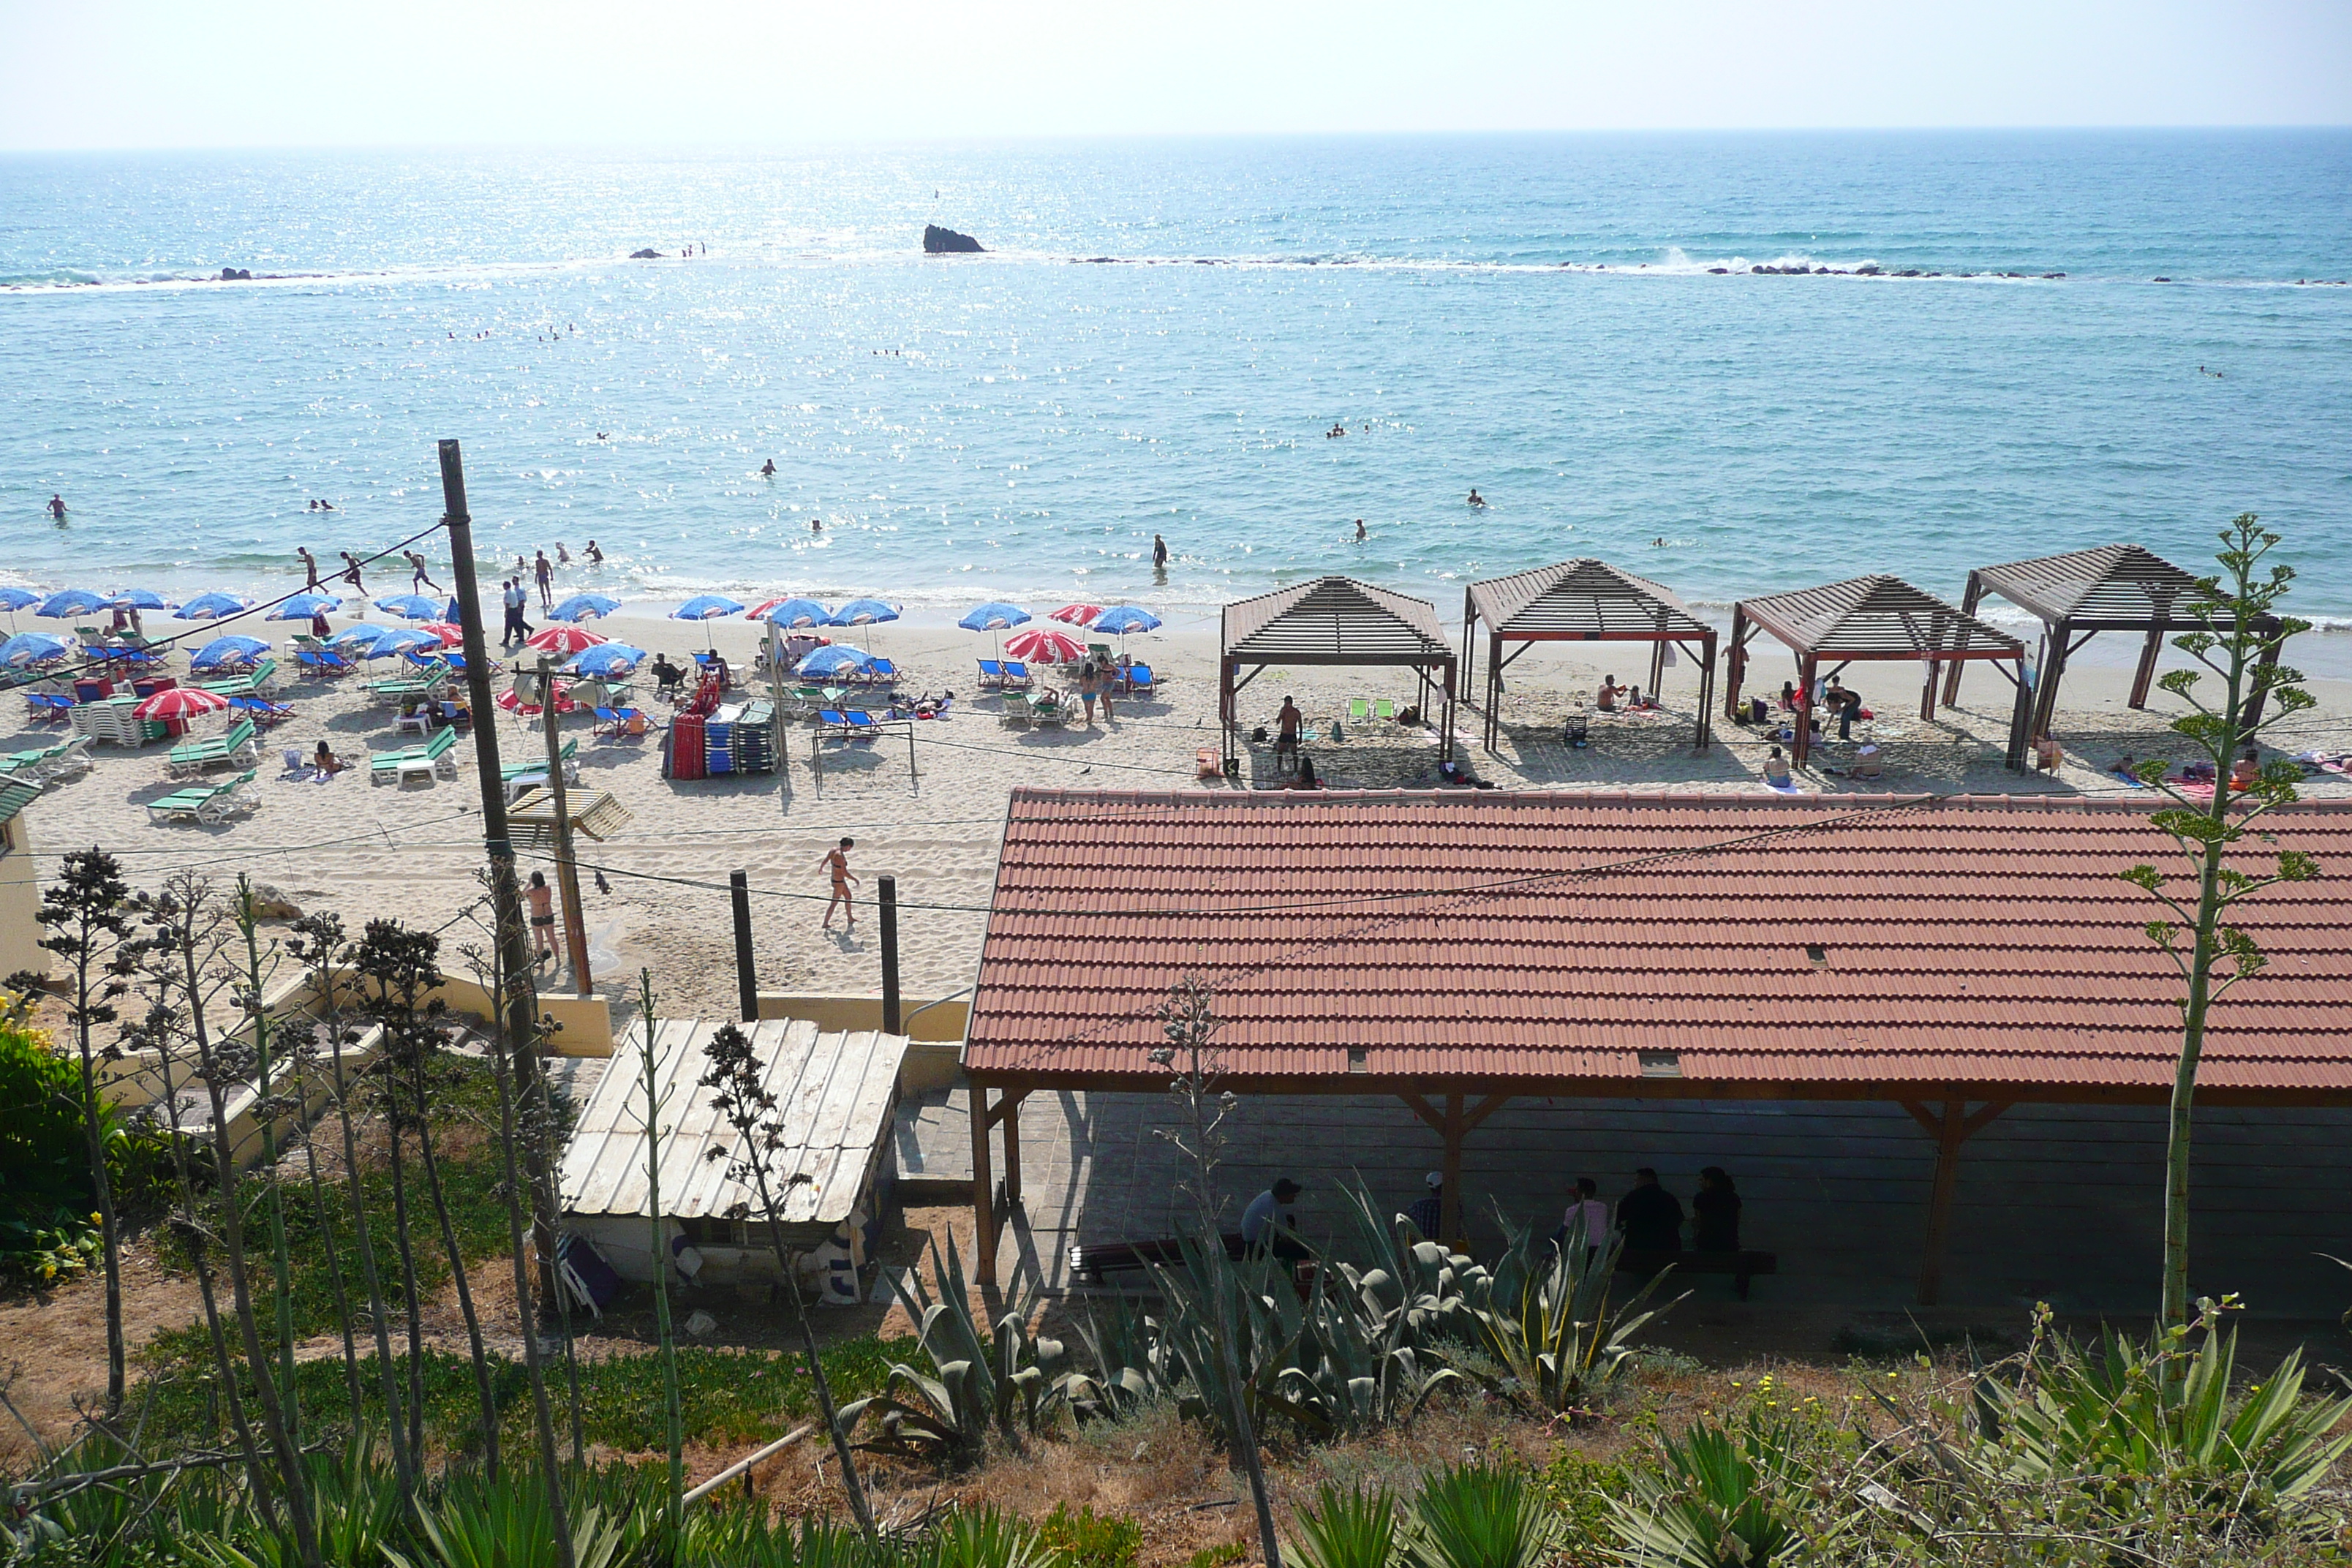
(836, 1092)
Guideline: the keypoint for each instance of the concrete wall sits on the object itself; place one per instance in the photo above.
(20, 902)
(940, 1021)
(586, 1021)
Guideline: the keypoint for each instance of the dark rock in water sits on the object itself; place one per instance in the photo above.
(937, 241)
(1719, 271)
(2164, 280)
(644, 256)
(1100, 261)
(1760, 269)
(2053, 275)
(234, 275)
(1909, 272)
(1867, 270)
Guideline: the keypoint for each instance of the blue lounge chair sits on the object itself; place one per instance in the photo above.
(1016, 676)
(1138, 681)
(991, 675)
(326, 663)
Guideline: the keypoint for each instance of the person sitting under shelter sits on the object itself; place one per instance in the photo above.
(1650, 1216)
(1270, 1224)
(1605, 699)
(1716, 1208)
(1585, 1211)
(1428, 1212)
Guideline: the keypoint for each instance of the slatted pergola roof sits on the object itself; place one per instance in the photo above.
(1584, 600)
(1332, 621)
(2110, 588)
(1877, 618)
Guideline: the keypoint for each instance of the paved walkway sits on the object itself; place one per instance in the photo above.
(2061, 1203)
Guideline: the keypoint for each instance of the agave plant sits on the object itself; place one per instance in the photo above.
(507, 1523)
(981, 1538)
(1356, 1529)
(1545, 1313)
(753, 1537)
(1713, 1503)
(1004, 1382)
(1480, 1515)
(1126, 1365)
(358, 1503)
(2131, 1413)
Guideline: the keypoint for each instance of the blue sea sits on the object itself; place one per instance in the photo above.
(2113, 336)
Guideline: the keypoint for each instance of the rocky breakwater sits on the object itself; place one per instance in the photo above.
(937, 241)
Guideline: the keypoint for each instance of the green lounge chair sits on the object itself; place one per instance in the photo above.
(569, 756)
(1360, 711)
(190, 757)
(206, 802)
(384, 766)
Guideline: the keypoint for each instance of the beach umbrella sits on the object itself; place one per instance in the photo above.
(835, 661)
(138, 599)
(70, 601)
(582, 607)
(1043, 646)
(15, 599)
(864, 613)
(231, 649)
(706, 607)
(565, 639)
(449, 632)
(209, 607)
(302, 606)
(513, 702)
(180, 702)
(793, 615)
(358, 639)
(35, 647)
(410, 608)
(1125, 619)
(400, 639)
(1076, 615)
(610, 658)
(993, 616)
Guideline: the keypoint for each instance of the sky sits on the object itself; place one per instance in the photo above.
(294, 73)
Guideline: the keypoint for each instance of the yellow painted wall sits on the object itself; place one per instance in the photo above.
(20, 902)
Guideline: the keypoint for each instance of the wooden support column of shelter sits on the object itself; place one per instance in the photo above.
(1453, 1123)
(1951, 1124)
(987, 1214)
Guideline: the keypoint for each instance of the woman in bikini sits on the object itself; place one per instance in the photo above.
(542, 915)
(836, 862)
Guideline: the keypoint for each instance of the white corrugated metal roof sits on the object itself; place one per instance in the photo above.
(832, 1089)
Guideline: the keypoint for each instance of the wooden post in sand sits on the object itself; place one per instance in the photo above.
(567, 870)
(506, 895)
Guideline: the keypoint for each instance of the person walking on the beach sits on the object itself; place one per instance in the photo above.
(836, 862)
(545, 571)
(518, 599)
(351, 573)
(543, 916)
(419, 576)
(57, 507)
(309, 565)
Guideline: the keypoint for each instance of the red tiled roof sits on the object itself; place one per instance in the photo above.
(1659, 944)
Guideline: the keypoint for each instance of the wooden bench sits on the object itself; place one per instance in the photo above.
(1092, 1261)
(1741, 1265)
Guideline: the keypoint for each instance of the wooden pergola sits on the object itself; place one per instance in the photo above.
(1458, 950)
(1876, 619)
(1331, 621)
(2077, 595)
(1582, 600)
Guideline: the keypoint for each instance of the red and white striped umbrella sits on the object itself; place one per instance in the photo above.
(513, 702)
(1041, 647)
(450, 633)
(180, 702)
(565, 641)
(1076, 615)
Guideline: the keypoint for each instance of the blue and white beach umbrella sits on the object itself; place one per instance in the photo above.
(993, 616)
(400, 639)
(605, 659)
(410, 608)
(838, 660)
(797, 615)
(209, 607)
(230, 649)
(302, 606)
(15, 599)
(355, 641)
(582, 607)
(68, 602)
(138, 599)
(864, 613)
(706, 607)
(1125, 619)
(35, 647)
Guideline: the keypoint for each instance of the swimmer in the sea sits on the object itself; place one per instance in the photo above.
(1360, 535)
(1477, 500)
(768, 469)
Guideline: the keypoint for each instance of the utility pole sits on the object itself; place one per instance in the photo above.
(567, 872)
(506, 896)
(746, 982)
(886, 889)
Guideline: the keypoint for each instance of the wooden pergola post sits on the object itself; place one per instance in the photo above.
(1950, 1125)
(983, 1194)
(1455, 1122)
(1735, 661)
(1801, 724)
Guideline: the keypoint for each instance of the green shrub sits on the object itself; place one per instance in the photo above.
(1087, 1539)
(49, 1223)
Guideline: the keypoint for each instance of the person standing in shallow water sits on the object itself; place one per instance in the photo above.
(1159, 554)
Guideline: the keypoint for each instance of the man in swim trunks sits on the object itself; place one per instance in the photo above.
(836, 862)
(310, 565)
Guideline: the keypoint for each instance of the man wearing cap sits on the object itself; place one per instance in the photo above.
(1270, 1224)
(1650, 1216)
(1428, 1214)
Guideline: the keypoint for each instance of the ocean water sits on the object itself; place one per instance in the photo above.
(1157, 343)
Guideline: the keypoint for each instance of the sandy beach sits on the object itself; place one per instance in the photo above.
(367, 850)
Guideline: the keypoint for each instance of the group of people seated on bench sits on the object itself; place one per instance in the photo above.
(1651, 1218)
